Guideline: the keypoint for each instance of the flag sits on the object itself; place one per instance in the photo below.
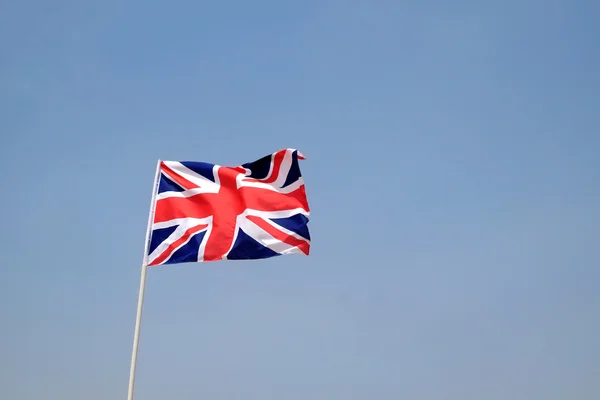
(206, 212)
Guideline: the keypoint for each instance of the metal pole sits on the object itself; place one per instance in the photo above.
(140, 305)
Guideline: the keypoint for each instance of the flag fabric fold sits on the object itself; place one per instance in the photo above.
(206, 212)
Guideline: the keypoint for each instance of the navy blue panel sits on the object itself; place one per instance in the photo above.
(189, 251)
(201, 168)
(259, 168)
(246, 248)
(167, 185)
(296, 224)
(294, 170)
(159, 236)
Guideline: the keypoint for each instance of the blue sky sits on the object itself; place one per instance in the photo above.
(452, 170)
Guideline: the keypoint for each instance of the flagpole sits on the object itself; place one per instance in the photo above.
(140, 304)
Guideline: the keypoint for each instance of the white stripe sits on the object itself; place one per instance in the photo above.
(264, 238)
(268, 215)
(284, 230)
(182, 221)
(186, 193)
(284, 169)
(192, 176)
(277, 214)
(242, 221)
(241, 181)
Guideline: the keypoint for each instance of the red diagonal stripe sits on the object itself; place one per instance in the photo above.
(175, 177)
(303, 245)
(176, 244)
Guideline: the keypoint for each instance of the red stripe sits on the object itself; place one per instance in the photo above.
(270, 200)
(277, 161)
(198, 206)
(303, 245)
(176, 244)
(174, 176)
(207, 204)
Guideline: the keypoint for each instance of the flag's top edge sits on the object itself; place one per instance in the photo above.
(301, 156)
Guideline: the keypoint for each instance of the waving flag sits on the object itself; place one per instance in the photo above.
(207, 212)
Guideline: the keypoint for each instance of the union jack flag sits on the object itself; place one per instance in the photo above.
(206, 212)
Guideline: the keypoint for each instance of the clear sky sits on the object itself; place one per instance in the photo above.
(452, 170)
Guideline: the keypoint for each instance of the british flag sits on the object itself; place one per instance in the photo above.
(207, 212)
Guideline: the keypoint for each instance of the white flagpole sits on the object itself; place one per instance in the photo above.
(138, 318)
